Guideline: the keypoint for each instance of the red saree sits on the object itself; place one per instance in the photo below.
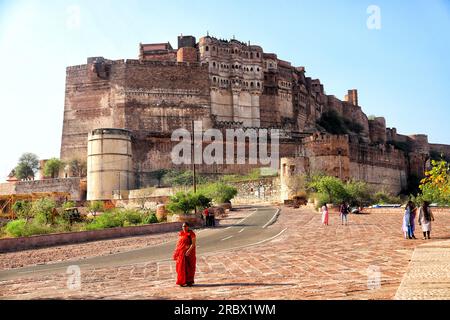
(185, 265)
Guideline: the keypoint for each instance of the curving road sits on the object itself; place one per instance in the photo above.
(250, 231)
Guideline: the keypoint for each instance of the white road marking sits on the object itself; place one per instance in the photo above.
(227, 238)
(273, 218)
(57, 267)
(279, 234)
(241, 230)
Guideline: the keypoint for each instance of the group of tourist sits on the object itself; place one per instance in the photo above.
(424, 219)
(209, 218)
(344, 210)
(185, 255)
(409, 219)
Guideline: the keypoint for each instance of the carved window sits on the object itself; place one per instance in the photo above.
(207, 48)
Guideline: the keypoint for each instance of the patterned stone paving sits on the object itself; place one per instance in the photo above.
(428, 275)
(365, 260)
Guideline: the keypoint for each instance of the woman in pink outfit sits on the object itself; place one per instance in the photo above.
(325, 215)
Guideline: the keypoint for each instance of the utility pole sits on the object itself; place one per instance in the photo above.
(193, 159)
(193, 165)
(120, 196)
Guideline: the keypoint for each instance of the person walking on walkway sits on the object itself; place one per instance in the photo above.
(413, 220)
(343, 209)
(185, 257)
(206, 215)
(325, 215)
(406, 226)
(425, 218)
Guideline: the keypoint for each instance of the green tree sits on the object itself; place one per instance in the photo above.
(358, 193)
(27, 167)
(42, 210)
(435, 186)
(52, 167)
(329, 188)
(78, 168)
(159, 175)
(332, 122)
(182, 202)
(202, 201)
(219, 192)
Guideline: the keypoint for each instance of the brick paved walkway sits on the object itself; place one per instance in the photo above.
(428, 275)
(365, 260)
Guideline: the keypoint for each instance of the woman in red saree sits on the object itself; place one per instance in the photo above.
(184, 256)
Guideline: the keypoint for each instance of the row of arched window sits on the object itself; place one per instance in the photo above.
(285, 84)
(233, 66)
(270, 64)
(250, 84)
(249, 55)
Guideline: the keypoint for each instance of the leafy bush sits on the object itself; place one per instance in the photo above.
(69, 204)
(22, 209)
(202, 201)
(116, 218)
(96, 206)
(383, 197)
(20, 228)
(358, 193)
(330, 189)
(130, 216)
(16, 228)
(105, 221)
(219, 192)
(182, 202)
(150, 218)
(42, 210)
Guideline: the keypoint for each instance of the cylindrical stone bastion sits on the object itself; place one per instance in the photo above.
(109, 164)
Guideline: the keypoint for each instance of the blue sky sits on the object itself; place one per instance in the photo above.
(402, 71)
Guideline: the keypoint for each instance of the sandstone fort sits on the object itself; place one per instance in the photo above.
(120, 114)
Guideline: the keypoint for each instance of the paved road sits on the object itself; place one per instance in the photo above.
(249, 231)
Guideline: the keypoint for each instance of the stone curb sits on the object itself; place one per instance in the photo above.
(56, 239)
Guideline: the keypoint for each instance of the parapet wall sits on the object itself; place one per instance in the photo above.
(68, 185)
(441, 149)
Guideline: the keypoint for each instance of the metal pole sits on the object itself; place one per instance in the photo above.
(193, 164)
(193, 159)
(120, 196)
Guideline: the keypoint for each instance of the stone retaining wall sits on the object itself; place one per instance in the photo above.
(69, 185)
(265, 190)
(49, 240)
(402, 210)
